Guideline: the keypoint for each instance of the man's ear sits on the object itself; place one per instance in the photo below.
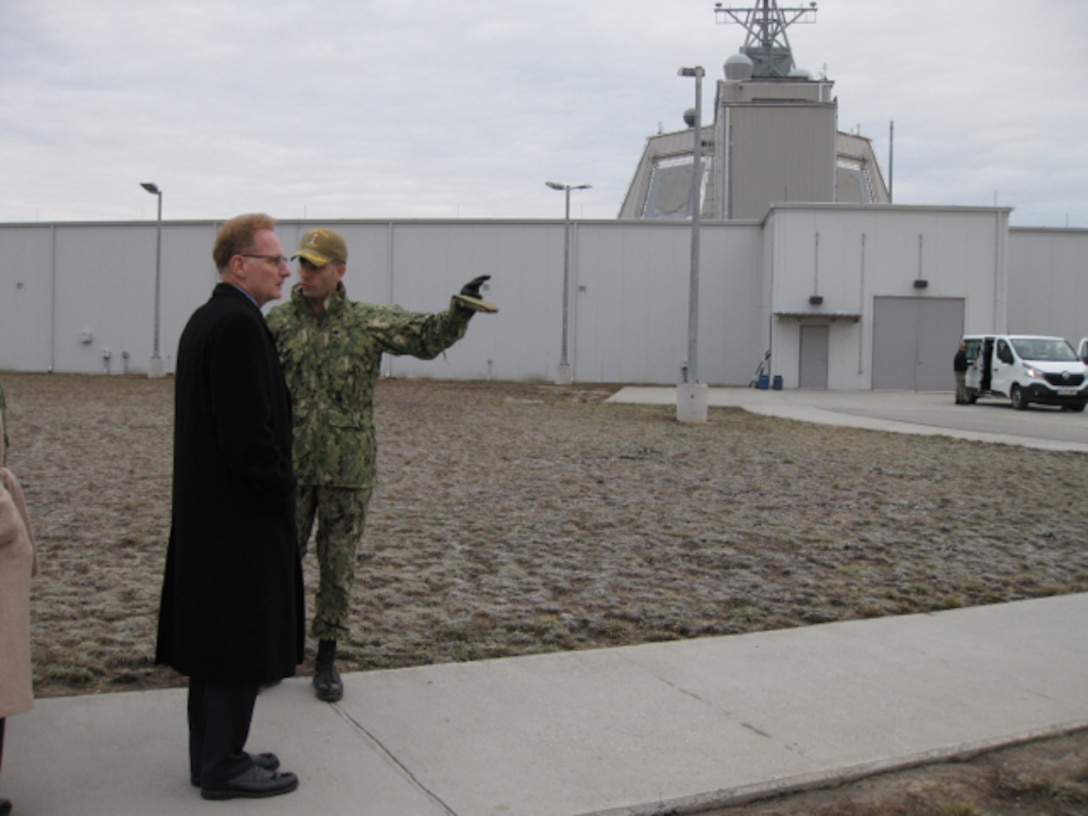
(237, 268)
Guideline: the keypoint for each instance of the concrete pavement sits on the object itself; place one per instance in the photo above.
(665, 727)
(917, 412)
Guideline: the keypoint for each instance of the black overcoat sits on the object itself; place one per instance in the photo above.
(232, 601)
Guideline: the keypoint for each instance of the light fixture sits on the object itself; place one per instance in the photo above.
(691, 399)
(563, 376)
(156, 368)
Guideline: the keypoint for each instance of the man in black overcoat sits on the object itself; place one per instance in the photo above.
(232, 616)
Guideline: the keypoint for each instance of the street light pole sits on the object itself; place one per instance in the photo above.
(691, 395)
(563, 376)
(156, 368)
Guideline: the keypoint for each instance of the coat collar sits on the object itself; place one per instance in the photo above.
(231, 291)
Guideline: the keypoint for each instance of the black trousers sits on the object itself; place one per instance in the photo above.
(219, 719)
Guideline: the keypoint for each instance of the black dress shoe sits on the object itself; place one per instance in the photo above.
(270, 762)
(5, 807)
(256, 783)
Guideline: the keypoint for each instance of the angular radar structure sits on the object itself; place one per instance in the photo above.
(775, 136)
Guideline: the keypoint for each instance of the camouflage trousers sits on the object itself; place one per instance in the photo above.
(341, 516)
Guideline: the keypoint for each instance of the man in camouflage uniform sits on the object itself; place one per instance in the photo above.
(331, 350)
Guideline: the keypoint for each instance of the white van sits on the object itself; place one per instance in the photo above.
(1026, 369)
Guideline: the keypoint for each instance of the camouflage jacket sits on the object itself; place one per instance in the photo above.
(331, 367)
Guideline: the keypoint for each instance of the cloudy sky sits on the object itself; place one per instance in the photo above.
(464, 108)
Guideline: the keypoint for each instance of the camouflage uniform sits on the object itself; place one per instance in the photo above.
(331, 366)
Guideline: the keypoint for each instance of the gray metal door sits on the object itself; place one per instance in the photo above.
(914, 340)
(814, 343)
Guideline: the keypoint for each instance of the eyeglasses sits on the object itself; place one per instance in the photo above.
(277, 260)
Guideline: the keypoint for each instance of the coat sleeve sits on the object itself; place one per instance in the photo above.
(14, 518)
(417, 334)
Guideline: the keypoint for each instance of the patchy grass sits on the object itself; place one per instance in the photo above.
(525, 518)
(517, 518)
(1043, 778)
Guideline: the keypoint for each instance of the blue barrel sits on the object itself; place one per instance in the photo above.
(777, 382)
(764, 381)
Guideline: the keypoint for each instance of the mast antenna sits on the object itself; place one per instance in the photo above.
(766, 44)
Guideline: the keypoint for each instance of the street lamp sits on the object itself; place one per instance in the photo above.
(156, 368)
(691, 395)
(563, 377)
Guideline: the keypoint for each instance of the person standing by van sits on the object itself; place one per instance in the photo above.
(959, 366)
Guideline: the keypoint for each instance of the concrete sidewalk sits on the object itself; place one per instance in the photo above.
(635, 730)
(931, 413)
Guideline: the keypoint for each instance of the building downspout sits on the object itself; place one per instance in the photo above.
(891, 159)
(52, 297)
(389, 300)
(572, 303)
(728, 165)
(999, 325)
(861, 311)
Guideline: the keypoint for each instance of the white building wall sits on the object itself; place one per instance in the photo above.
(104, 296)
(628, 311)
(732, 319)
(188, 277)
(432, 261)
(850, 255)
(71, 293)
(1048, 282)
(26, 298)
(632, 301)
(629, 293)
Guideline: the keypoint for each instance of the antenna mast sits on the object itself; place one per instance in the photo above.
(767, 45)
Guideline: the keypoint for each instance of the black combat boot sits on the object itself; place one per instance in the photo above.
(327, 683)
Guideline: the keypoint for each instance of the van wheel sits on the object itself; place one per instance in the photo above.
(1076, 407)
(1019, 398)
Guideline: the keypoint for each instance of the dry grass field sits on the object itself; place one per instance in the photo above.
(514, 518)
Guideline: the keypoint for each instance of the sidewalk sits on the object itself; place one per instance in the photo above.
(632, 731)
(930, 413)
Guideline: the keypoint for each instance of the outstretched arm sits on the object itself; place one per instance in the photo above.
(425, 336)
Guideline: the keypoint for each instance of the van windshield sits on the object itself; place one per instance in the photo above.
(1044, 349)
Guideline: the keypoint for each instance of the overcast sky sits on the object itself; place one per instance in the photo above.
(464, 108)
